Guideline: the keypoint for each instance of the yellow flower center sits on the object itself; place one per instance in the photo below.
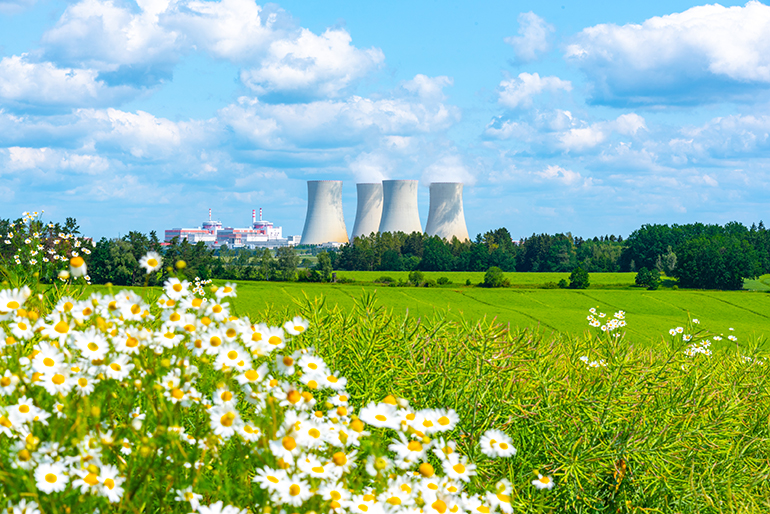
(24, 409)
(288, 443)
(82, 381)
(294, 490)
(50, 478)
(232, 355)
(314, 433)
(440, 506)
(443, 421)
(459, 468)
(62, 327)
(57, 379)
(109, 483)
(93, 347)
(274, 340)
(48, 362)
(394, 500)
(177, 288)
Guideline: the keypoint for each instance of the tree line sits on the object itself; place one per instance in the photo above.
(697, 255)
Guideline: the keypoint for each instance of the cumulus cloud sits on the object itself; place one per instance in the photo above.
(449, 168)
(336, 122)
(428, 88)
(124, 45)
(532, 40)
(559, 174)
(705, 54)
(726, 137)
(519, 92)
(312, 65)
(582, 138)
(52, 159)
(26, 85)
(237, 30)
(371, 167)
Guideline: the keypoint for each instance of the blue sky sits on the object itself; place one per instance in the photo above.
(589, 117)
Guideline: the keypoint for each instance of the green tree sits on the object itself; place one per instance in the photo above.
(416, 277)
(286, 263)
(494, 277)
(324, 266)
(266, 265)
(648, 278)
(436, 256)
(578, 279)
(718, 262)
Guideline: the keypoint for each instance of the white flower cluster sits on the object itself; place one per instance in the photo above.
(614, 323)
(287, 409)
(698, 347)
(601, 363)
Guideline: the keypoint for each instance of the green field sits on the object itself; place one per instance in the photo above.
(649, 314)
(516, 279)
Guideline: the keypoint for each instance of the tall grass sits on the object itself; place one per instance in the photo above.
(653, 431)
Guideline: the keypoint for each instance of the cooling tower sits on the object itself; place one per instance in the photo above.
(399, 207)
(369, 211)
(445, 217)
(324, 221)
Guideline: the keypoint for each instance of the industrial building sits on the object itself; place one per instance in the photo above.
(261, 234)
(324, 221)
(369, 210)
(446, 218)
(390, 206)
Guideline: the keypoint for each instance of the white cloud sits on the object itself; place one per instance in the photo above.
(335, 122)
(237, 30)
(519, 92)
(532, 41)
(143, 135)
(704, 54)
(15, 6)
(728, 136)
(104, 36)
(428, 88)
(562, 175)
(371, 167)
(312, 65)
(51, 159)
(26, 84)
(449, 168)
(582, 138)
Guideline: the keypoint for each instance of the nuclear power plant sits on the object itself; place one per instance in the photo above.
(399, 207)
(369, 210)
(445, 216)
(390, 206)
(324, 222)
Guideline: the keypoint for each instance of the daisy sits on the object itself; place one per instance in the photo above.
(456, 468)
(119, 368)
(21, 328)
(51, 477)
(111, 484)
(151, 262)
(253, 376)
(218, 312)
(47, 359)
(12, 299)
(543, 482)
(227, 290)
(78, 267)
(269, 478)
(224, 421)
(285, 364)
(176, 289)
(312, 364)
(411, 450)
(380, 415)
(296, 326)
(312, 467)
(333, 381)
(293, 492)
(57, 382)
(495, 443)
(187, 495)
(335, 493)
(8, 383)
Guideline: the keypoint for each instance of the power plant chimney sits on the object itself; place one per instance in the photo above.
(324, 221)
(253, 216)
(445, 217)
(399, 207)
(369, 210)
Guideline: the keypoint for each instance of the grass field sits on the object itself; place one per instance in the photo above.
(650, 314)
(458, 278)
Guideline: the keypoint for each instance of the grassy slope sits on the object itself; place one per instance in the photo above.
(650, 314)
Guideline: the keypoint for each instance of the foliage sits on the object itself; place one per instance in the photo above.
(579, 279)
(648, 278)
(718, 262)
(494, 277)
(416, 277)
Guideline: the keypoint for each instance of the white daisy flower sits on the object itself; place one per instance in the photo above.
(543, 482)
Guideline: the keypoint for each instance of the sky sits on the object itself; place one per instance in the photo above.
(589, 117)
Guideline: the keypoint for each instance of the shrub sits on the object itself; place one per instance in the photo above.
(443, 281)
(578, 279)
(384, 280)
(467, 281)
(550, 285)
(494, 277)
(416, 277)
(430, 283)
(648, 278)
(563, 284)
(345, 280)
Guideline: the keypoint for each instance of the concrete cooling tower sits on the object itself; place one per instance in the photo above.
(324, 221)
(399, 207)
(369, 211)
(445, 217)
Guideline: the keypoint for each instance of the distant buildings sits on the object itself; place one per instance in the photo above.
(261, 234)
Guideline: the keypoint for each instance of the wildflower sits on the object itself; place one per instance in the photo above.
(225, 291)
(176, 289)
(187, 495)
(458, 468)
(219, 507)
(111, 484)
(224, 421)
(732, 337)
(51, 477)
(296, 326)
(495, 443)
(380, 415)
(543, 482)
(293, 492)
(151, 262)
(269, 478)
(77, 267)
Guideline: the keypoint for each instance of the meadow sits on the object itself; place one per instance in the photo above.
(154, 411)
(527, 304)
